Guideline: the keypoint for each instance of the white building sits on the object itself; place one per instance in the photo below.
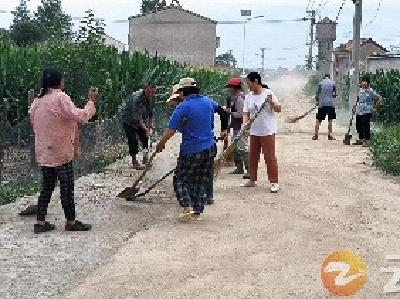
(383, 62)
(176, 34)
(110, 41)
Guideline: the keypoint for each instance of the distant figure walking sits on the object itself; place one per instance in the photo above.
(325, 97)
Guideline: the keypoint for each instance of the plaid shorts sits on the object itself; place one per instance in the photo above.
(192, 177)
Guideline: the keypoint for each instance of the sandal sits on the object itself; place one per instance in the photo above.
(315, 137)
(185, 216)
(195, 217)
(42, 228)
(330, 137)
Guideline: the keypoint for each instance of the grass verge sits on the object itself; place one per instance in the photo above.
(385, 149)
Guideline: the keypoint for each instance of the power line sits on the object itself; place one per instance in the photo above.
(378, 9)
(308, 5)
(322, 5)
(313, 3)
(340, 10)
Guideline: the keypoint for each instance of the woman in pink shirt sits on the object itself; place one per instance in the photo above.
(55, 120)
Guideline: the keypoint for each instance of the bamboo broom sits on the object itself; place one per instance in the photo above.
(295, 119)
(243, 135)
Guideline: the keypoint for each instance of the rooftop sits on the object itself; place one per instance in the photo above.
(364, 41)
(174, 8)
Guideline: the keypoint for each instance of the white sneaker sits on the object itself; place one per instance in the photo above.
(275, 188)
(249, 184)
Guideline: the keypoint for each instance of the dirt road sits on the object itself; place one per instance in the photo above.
(257, 245)
(253, 244)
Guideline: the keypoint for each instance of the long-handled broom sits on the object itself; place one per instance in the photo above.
(295, 119)
(243, 135)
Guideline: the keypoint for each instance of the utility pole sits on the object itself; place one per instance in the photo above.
(355, 71)
(311, 17)
(263, 61)
(231, 58)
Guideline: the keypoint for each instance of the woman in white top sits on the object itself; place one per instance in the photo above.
(263, 129)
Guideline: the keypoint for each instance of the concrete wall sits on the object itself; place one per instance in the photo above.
(193, 42)
(366, 51)
(383, 63)
(341, 64)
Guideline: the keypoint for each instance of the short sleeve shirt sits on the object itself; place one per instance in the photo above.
(266, 123)
(194, 118)
(138, 109)
(366, 102)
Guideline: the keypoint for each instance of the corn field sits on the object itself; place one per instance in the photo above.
(85, 65)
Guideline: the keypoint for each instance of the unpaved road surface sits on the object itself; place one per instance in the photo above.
(252, 244)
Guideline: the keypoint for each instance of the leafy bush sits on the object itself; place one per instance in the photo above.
(387, 84)
(385, 149)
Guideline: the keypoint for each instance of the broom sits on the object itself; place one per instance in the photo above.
(244, 133)
(295, 119)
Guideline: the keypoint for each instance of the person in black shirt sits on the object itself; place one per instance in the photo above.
(137, 120)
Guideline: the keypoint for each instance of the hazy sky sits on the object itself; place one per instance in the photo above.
(287, 40)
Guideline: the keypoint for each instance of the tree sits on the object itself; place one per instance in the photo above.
(4, 36)
(21, 13)
(149, 6)
(226, 59)
(91, 29)
(24, 30)
(26, 33)
(54, 23)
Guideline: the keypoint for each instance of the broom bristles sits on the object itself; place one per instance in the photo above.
(295, 119)
(223, 158)
(292, 120)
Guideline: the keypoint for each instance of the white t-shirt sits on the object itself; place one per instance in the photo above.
(266, 123)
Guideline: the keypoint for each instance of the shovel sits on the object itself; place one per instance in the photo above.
(152, 186)
(130, 192)
(348, 136)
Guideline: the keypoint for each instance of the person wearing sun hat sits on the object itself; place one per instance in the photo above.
(194, 118)
(236, 111)
(176, 96)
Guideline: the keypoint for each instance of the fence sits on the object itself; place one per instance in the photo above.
(102, 142)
